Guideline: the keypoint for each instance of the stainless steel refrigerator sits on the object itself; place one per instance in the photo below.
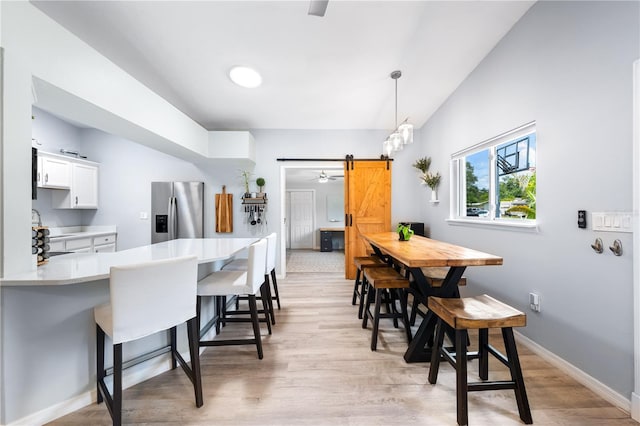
(177, 210)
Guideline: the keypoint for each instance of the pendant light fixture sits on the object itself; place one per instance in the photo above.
(403, 134)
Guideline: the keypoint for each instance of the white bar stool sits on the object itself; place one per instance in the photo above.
(241, 265)
(238, 283)
(147, 298)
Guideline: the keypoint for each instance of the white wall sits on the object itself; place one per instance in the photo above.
(336, 144)
(126, 172)
(567, 65)
(39, 51)
(51, 134)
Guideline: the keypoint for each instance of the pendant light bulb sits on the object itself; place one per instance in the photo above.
(387, 148)
(406, 130)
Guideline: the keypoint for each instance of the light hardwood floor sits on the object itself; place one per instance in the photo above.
(318, 370)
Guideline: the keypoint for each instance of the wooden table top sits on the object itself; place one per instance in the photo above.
(420, 251)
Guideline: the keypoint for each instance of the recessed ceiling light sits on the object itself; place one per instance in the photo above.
(245, 77)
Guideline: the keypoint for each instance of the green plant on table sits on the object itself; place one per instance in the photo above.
(404, 231)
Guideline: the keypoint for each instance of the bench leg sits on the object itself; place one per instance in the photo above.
(364, 286)
(376, 320)
(461, 377)
(390, 303)
(435, 353)
(516, 375)
(355, 287)
(368, 299)
(483, 353)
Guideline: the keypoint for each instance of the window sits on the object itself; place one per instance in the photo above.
(495, 181)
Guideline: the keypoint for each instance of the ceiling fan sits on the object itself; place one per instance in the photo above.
(317, 7)
(324, 177)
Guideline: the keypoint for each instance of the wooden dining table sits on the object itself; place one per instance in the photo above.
(419, 252)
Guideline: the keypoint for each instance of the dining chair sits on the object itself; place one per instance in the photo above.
(147, 298)
(239, 283)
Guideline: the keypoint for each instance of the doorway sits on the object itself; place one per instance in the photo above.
(304, 186)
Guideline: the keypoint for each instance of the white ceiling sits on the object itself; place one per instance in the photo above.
(328, 72)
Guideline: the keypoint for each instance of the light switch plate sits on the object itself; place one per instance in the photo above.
(611, 221)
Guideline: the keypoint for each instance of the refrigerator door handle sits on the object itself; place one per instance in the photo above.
(173, 218)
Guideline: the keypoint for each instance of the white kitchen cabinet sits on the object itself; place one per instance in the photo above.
(83, 250)
(104, 243)
(85, 243)
(78, 245)
(56, 246)
(54, 171)
(83, 193)
(106, 248)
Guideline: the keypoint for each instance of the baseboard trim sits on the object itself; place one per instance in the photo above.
(635, 406)
(583, 378)
(130, 377)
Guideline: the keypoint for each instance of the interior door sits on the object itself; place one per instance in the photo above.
(301, 219)
(367, 206)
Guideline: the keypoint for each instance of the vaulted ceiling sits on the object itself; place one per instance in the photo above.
(328, 72)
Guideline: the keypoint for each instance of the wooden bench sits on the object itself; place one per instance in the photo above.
(481, 313)
(383, 283)
(360, 285)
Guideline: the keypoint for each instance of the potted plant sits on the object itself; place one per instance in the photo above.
(260, 182)
(404, 232)
(423, 164)
(432, 180)
(245, 175)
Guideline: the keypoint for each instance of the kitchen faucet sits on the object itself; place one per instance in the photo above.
(39, 217)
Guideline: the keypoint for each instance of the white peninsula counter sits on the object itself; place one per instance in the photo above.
(76, 268)
(48, 327)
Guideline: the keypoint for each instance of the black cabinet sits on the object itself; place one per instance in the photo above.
(326, 243)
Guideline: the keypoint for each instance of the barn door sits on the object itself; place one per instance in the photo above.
(367, 206)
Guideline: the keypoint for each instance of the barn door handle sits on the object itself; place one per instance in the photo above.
(350, 219)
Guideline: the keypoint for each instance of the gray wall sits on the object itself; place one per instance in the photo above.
(567, 65)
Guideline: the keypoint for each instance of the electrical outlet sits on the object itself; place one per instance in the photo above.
(534, 302)
(144, 215)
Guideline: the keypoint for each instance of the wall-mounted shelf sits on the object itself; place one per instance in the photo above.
(258, 199)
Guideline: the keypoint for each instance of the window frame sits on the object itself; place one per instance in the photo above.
(458, 191)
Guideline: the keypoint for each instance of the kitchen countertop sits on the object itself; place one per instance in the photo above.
(74, 232)
(76, 268)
